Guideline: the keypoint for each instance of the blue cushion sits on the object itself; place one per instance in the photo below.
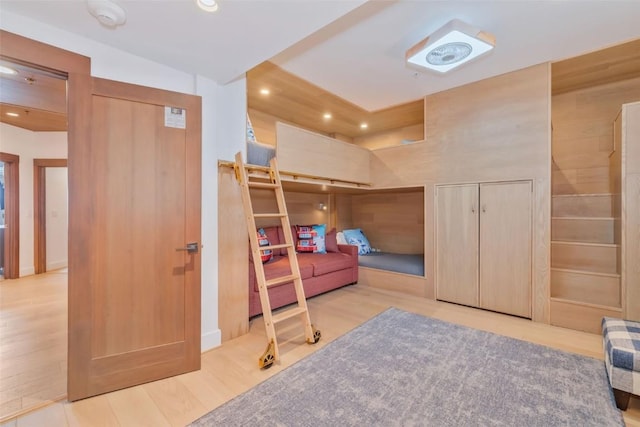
(356, 237)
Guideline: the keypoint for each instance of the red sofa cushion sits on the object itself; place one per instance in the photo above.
(329, 262)
(279, 266)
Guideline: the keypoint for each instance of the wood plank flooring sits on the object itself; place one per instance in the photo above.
(232, 368)
(33, 333)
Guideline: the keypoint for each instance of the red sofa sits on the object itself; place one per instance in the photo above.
(320, 272)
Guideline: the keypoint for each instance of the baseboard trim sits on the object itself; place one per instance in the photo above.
(211, 340)
(57, 265)
(29, 271)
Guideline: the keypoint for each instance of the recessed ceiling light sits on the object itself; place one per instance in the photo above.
(450, 46)
(207, 5)
(265, 91)
(7, 70)
(13, 114)
(327, 116)
(363, 125)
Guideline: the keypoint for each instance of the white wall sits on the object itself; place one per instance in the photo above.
(223, 130)
(57, 217)
(30, 145)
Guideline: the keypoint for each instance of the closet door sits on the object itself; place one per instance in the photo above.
(505, 247)
(457, 244)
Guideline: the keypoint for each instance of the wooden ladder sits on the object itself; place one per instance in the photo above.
(269, 179)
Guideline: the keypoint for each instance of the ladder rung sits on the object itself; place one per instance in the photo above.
(288, 314)
(271, 247)
(262, 184)
(269, 215)
(280, 280)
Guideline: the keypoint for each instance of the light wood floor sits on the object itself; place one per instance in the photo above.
(33, 333)
(232, 368)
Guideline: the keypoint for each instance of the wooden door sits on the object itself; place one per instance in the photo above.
(457, 244)
(505, 247)
(134, 304)
(11, 227)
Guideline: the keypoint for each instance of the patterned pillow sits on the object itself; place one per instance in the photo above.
(264, 241)
(356, 237)
(311, 238)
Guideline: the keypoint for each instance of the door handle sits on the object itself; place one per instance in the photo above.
(191, 248)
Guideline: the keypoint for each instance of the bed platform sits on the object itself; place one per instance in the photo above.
(394, 272)
(400, 263)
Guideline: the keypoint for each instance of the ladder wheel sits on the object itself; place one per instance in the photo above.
(316, 336)
(268, 357)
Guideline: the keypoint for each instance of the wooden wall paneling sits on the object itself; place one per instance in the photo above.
(430, 240)
(392, 281)
(630, 221)
(264, 126)
(233, 258)
(390, 138)
(294, 100)
(631, 251)
(604, 66)
(615, 188)
(323, 156)
(344, 215)
(541, 262)
(498, 129)
(583, 135)
(303, 208)
(11, 248)
(392, 222)
(492, 130)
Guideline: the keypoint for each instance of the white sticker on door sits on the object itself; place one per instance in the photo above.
(175, 117)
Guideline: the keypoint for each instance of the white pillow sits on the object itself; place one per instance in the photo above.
(340, 238)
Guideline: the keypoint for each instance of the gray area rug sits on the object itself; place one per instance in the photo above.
(404, 369)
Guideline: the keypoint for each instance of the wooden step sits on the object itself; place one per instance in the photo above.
(269, 215)
(262, 185)
(583, 229)
(272, 247)
(586, 287)
(580, 316)
(596, 257)
(288, 314)
(583, 205)
(281, 280)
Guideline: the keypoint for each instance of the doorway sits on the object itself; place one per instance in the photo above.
(49, 179)
(33, 365)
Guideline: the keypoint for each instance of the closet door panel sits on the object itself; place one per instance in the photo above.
(505, 247)
(457, 244)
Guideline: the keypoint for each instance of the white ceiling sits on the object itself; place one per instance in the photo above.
(354, 52)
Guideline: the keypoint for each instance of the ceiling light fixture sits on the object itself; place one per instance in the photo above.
(207, 5)
(363, 125)
(451, 46)
(265, 91)
(7, 70)
(13, 114)
(326, 116)
(107, 12)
